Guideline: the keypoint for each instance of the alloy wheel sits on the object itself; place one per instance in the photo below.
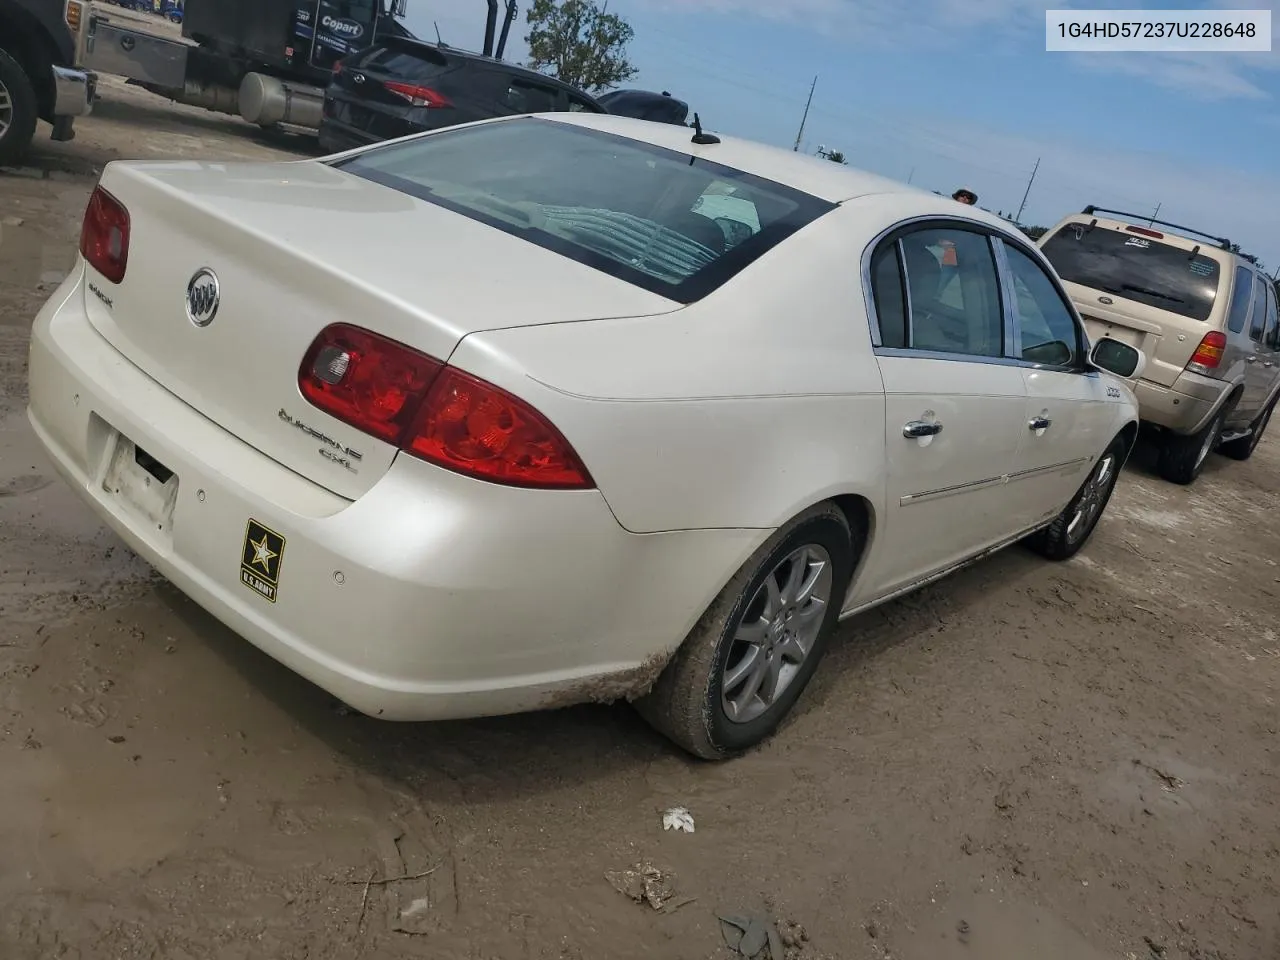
(777, 633)
(6, 110)
(1210, 440)
(1089, 504)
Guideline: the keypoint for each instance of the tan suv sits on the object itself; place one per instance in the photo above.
(1203, 314)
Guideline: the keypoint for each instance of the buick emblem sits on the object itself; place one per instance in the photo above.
(1105, 300)
(203, 297)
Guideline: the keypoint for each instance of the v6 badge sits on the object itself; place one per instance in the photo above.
(260, 560)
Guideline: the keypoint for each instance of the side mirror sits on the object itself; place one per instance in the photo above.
(1118, 358)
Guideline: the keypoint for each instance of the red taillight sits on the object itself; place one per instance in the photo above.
(104, 235)
(435, 412)
(475, 428)
(1145, 232)
(368, 381)
(1209, 353)
(417, 95)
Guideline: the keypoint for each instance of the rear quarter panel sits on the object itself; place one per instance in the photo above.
(736, 412)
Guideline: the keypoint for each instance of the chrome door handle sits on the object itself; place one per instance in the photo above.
(921, 428)
(1039, 423)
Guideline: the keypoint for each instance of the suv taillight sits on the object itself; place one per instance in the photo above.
(1209, 353)
(435, 412)
(418, 95)
(104, 235)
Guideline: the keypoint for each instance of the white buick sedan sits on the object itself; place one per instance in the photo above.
(555, 409)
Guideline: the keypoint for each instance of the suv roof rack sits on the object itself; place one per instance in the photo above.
(1221, 241)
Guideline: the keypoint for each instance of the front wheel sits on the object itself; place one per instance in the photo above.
(17, 110)
(746, 662)
(1072, 528)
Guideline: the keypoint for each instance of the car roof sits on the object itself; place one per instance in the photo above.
(833, 182)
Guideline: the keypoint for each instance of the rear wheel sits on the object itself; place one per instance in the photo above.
(17, 110)
(746, 662)
(1242, 447)
(1182, 457)
(1072, 528)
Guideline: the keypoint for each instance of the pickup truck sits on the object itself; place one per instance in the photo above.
(38, 77)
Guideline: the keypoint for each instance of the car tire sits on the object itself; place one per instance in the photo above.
(1072, 528)
(18, 111)
(1183, 457)
(1242, 447)
(734, 645)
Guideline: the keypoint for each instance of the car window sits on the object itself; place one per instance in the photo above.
(886, 291)
(1047, 328)
(954, 297)
(1272, 336)
(1241, 298)
(525, 97)
(420, 64)
(735, 216)
(621, 206)
(578, 105)
(1135, 267)
(1258, 319)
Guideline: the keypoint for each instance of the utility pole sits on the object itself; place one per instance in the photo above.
(805, 118)
(1018, 218)
(1152, 221)
(911, 174)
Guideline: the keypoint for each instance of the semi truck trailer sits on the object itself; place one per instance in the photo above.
(267, 61)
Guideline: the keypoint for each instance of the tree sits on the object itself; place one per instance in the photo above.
(836, 156)
(584, 44)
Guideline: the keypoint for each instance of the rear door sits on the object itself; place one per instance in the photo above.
(1258, 358)
(954, 408)
(1270, 348)
(1130, 284)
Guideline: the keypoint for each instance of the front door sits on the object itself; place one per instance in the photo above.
(1067, 422)
(954, 406)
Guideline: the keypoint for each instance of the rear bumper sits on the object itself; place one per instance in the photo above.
(1183, 408)
(432, 596)
(335, 137)
(74, 91)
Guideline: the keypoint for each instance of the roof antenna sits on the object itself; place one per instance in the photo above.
(698, 136)
(439, 41)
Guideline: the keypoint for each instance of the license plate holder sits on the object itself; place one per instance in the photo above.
(142, 485)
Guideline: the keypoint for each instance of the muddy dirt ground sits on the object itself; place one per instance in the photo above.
(1067, 762)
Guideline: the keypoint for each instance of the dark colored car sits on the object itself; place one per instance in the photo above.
(399, 86)
(645, 105)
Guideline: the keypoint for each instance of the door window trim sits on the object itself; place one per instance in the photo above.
(997, 241)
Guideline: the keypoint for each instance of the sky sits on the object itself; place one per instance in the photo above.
(951, 93)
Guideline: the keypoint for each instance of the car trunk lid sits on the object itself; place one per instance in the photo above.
(296, 247)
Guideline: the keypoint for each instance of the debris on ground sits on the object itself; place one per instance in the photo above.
(679, 819)
(752, 935)
(644, 883)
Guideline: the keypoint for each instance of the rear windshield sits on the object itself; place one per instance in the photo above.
(1135, 267)
(410, 63)
(676, 225)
